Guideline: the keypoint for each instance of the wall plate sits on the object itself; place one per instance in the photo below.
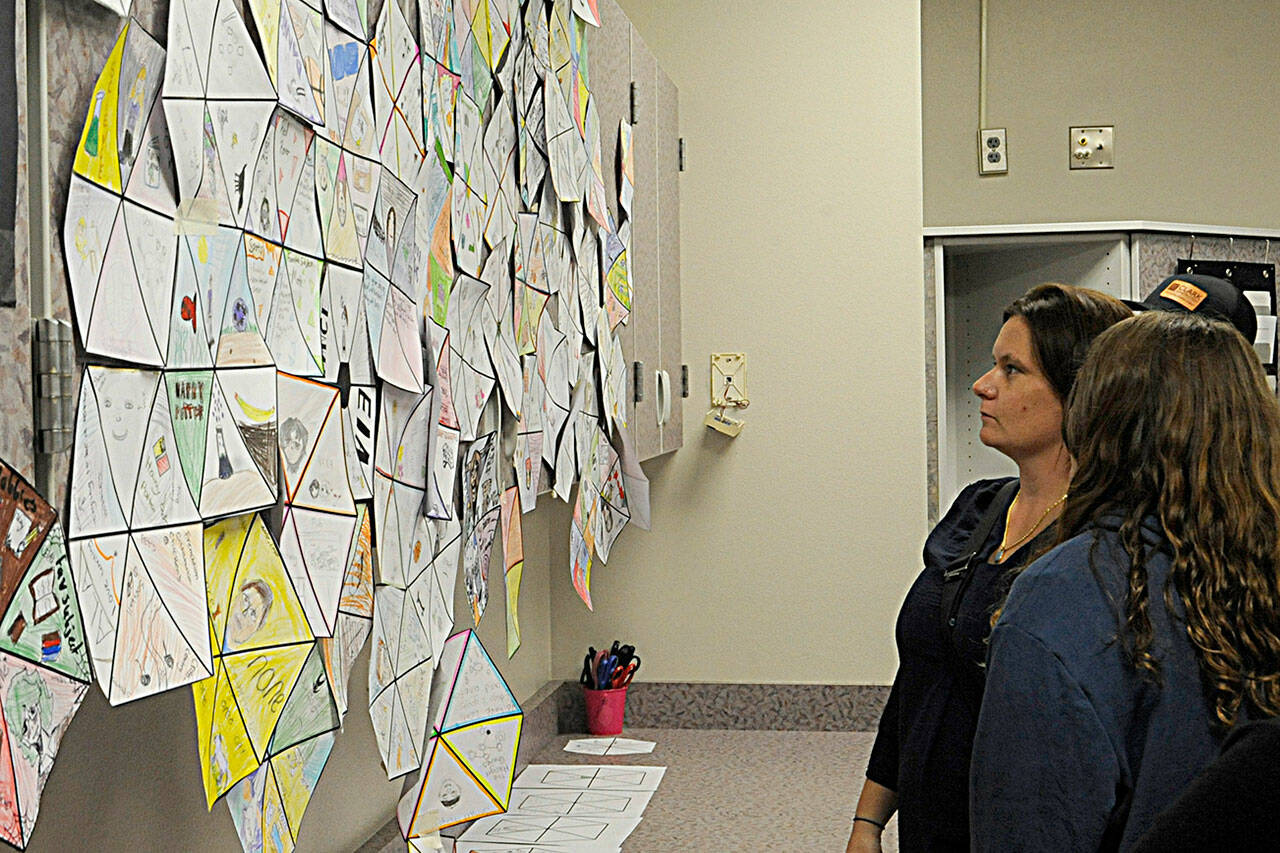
(728, 378)
(1093, 147)
(993, 153)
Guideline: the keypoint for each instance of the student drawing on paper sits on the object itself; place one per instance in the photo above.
(249, 610)
(133, 118)
(22, 532)
(28, 708)
(450, 796)
(293, 442)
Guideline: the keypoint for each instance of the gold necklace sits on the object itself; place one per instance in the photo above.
(1006, 546)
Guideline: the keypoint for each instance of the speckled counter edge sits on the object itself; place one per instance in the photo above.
(764, 707)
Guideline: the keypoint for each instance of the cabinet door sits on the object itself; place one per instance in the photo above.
(670, 350)
(645, 266)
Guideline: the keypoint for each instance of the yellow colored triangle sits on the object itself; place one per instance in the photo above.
(483, 35)
(226, 754)
(97, 157)
(290, 768)
(262, 607)
(266, 15)
(262, 680)
(499, 799)
(277, 835)
(223, 542)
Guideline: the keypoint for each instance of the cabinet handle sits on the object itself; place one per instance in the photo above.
(664, 397)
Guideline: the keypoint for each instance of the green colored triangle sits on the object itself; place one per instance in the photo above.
(42, 623)
(309, 710)
(190, 392)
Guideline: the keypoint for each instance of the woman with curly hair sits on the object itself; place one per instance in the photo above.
(1123, 655)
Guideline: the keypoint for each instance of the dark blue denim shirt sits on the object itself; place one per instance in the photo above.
(1075, 749)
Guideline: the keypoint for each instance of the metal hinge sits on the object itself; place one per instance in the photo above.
(55, 361)
(682, 153)
(684, 380)
(637, 381)
(633, 102)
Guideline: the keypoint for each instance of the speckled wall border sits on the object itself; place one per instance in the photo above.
(931, 381)
(1158, 254)
(17, 438)
(761, 707)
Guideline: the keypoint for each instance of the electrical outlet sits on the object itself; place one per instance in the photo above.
(993, 154)
(1093, 147)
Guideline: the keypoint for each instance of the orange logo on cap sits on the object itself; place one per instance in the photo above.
(1184, 293)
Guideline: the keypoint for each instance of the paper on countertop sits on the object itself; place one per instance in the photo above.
(584, 777)
(558, 801)
(558, 832)
(482, 847)
(609, 746)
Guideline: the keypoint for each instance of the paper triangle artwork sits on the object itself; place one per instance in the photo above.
(471, 753)
(347, 290)
(44, 659)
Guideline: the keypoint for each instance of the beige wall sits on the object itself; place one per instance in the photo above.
(781, 556)
(1177, 79)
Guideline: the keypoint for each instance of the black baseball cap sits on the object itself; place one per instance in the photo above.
(1203, 294)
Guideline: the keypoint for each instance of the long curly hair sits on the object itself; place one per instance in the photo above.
(1171, 418)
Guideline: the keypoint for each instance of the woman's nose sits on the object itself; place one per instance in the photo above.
(982, 385)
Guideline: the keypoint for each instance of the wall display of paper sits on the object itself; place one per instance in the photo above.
(609, 746)
(351, 15)
(397, 94)
(581, 543)
(588, 11)
(410, 624)
(118, 234)
(499, 847)
(433, 240)
(531, 128)
(475, 732)
(270, 690)
(267, 806)
(616, 265)
(472, 326)
(553, 370)
(586, 278)
(481, 502)
(532, 283)
(503, 354)
(400, 482)
(44, 663)
(626, 168)
(527, 456)
(513, 556)
(349, 116)
(566, 152)
(292, 38)
(443, 471)
(355, 611)
(500, 164)
(634, 480)
(346, 185)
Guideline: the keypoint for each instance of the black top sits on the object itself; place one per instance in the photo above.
(926, 732)
(1233, 805)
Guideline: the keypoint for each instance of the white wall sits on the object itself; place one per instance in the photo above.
(782, 555)
(1188, 84)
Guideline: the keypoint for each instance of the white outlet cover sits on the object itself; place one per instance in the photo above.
(993, 152)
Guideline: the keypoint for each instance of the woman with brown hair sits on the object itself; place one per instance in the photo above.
(1123, 655)
(920, 763)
